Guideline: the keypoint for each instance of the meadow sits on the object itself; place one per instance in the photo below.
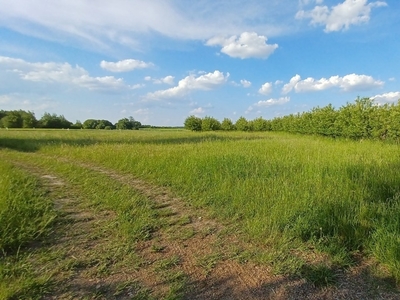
(284, 195)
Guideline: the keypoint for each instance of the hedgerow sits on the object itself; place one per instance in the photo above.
(363, 119)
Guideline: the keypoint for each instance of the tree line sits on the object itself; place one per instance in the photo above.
(363, 119)
(27, 119)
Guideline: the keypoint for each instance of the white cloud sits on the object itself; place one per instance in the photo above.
(390, 97)
(245, 83)
(265, 89)
(167, 79)
(341, 16)
(292, 83)
(124, 65)
(190, 83)
(52, 72)
(197, 111)
(123, 22)
(267, 103)
(346, 83)
(247, 45)
(272, 101)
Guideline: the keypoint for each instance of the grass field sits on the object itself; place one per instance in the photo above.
(285, 196)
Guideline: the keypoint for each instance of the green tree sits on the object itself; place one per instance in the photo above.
(3, 113)
(193, 123)
(242, 124)
(28, 119)
(394, 130)
(260, 124)
(128, 123)
(53, 121)
(135, 124)
(210, 124)
(90, 124)
(353, 120)
(102, 124)
(227, 125)
(123, 124)
(12, 120)
(78, 125)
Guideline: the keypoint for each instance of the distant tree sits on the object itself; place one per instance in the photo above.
(123, 124)
(12, 119)
(135, 124)
(78, 125)
(128, 123)
(53, 121)
(210, 124)
(260, 124)
(3, 113)
(102, 124)
(353, 120)
(90, 124)
(227, 125)
(193, 123)
(242, 124)
(28, 119)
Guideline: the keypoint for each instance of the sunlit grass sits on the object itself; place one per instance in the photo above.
(277, 189)
(25, 212)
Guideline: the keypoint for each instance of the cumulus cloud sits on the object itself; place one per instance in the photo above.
(267, 103)
(390, 97)
(245, 83)
(190, 83)
(292, 83)
(346, 83)
(341, 16)
(247, 45)
(52, 72)
(272, 101)
(197, 111)
(124, 65)
(265, 89)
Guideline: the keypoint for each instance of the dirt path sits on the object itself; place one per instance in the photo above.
(192, 251)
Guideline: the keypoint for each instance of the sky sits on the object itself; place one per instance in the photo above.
(161, 61)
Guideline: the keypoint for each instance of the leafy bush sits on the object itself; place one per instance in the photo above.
(193, 123)
(242, 124)
(210, 124)
(227, 125)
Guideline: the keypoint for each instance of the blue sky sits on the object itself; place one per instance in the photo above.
(163, 60)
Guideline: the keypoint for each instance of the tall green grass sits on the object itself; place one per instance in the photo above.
(25, 212)
(340, 196)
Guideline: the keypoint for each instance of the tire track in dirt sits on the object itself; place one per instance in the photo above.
(81, 244)
(224, 278)
(229, 279)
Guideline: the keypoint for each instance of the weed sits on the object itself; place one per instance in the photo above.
(208, 262)
(319, 275)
